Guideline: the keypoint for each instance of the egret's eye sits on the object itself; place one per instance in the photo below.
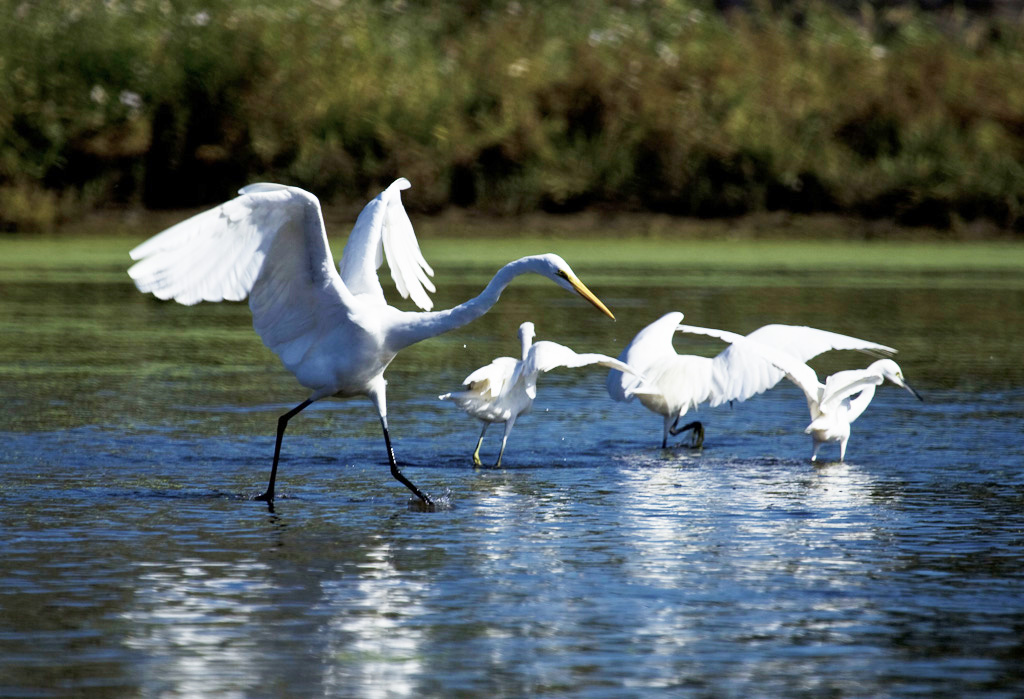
(563, 274)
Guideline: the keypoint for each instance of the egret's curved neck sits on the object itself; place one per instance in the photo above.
(414, 327)
(527, 341)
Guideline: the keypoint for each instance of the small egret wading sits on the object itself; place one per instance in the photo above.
(833, 405)
(505, 389)
(679, 383)
(332, 328)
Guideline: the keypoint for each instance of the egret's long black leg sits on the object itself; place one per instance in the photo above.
(282, 423)
(398, 474)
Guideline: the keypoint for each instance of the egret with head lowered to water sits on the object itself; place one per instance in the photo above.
(504, 390)
(678, 383)
(332, 328)
(835, 404)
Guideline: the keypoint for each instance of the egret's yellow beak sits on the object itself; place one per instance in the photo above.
(586, 293)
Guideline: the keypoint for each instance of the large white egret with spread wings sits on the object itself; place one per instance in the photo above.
(330, 327)
(835, 404)
(679, 383)
(504, 390)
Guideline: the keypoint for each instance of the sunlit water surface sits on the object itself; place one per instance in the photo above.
(594, 564)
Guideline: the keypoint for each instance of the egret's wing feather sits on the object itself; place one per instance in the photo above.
(725, 335)
(268, 244)
(383, 230)
(546, 356)
(805, 343)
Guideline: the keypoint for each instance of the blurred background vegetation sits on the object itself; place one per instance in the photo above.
(508, 107)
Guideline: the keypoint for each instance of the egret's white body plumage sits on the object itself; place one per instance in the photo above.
(678, 383)
(833, 405)
(331, 327)
(504, 390)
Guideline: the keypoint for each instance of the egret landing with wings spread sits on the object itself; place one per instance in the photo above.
(332, 328)
(679, 383)
(505, 389)
(834, 404)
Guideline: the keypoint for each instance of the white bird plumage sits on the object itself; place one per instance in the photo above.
(679, 383)
(504, 390)
(833, 405)
(331, 327)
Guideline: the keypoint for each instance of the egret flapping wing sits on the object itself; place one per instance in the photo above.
(545, 356)
(742, 370)
(649, 346)
(383, 230)
(268, 243)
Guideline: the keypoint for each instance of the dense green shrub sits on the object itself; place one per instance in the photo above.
(512, 106)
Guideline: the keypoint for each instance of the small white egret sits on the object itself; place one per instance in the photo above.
(679, 383)
(835, 404)
(505, 389)
(330, 327)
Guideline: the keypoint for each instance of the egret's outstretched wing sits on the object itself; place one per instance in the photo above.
(805, 343)
(756, 364)
(383, 229)
(742, 371)
(545, 356)
(268, 244)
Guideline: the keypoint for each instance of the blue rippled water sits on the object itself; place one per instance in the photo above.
(594, 564)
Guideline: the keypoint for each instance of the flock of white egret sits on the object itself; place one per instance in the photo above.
(334, 330)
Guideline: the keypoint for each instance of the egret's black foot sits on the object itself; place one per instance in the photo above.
(697, 440)
(696, 432)
(264, 497)
(422, 505)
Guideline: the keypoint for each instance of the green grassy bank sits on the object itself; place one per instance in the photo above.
(607, 260)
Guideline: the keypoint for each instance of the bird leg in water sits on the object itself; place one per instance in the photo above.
(476, 452)
(697, 437)
(504, 439)
(398, 474)
(282, 423)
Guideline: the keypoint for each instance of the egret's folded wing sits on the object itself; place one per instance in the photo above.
(268, 244)
(484, 386)
(844, 384)
(493, 379)
(383, 229)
